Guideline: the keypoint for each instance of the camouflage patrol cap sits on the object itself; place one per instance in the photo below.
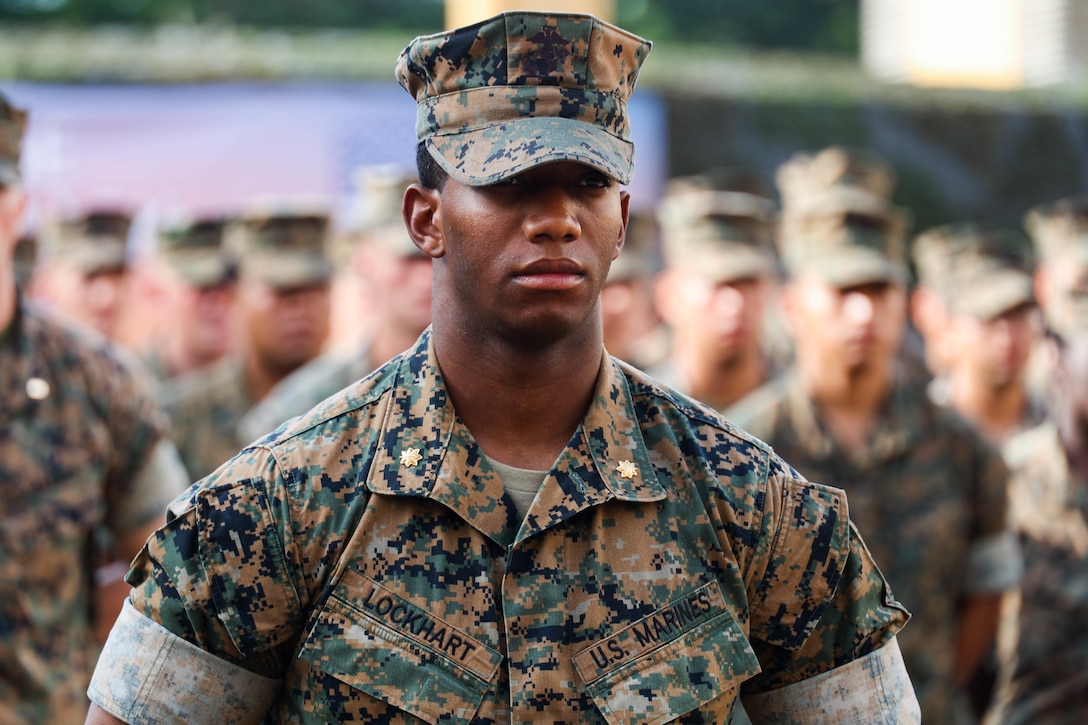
(720, 235)
(195, 250)
(94, 242)
(805, 178)
(976, 270)
(639, 257)
(1059, 230)
(837, 220)
(523, 89)
(382, 222)
(850, 237)
(12, 125)
(286, 248)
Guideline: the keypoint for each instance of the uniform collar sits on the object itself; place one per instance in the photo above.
(425, 450)
(895, 429)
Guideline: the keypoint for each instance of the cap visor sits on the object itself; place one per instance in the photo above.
(489, 155)
(290, 271)
(995, 296)
(856, 268)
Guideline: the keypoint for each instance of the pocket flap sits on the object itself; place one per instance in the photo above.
(669, 663)
(372, 639)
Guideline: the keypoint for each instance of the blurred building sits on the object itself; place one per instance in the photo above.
(987, 44)
(465, 12)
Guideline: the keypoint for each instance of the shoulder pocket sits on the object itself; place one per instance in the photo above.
(679, 658)
(372, 639)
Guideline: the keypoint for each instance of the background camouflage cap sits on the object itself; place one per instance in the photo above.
(287, 248)
(95, 242)
(12, 125)
(804, 179)
(837, 220)
(976, 270)
(1059, 230)
(381, 191)
(853, 238)
(721, 235)
(523, 89)
(641, 253)
(195, 249)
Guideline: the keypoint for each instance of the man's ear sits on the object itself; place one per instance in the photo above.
(422, 212)
(625, 210)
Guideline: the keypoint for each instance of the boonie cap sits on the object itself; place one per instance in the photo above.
(522, 89)
(976, 270)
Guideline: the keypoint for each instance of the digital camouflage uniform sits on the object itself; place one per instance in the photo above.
(305, 388)
(364, 564)
(1043, 644)
(76, 427)
(205, 408)
(927, 493)
(929, 497)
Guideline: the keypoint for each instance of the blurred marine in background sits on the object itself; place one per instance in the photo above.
(283, 301)
(82, 448)
(929, 495)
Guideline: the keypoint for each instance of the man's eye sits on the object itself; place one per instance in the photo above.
(597, 181)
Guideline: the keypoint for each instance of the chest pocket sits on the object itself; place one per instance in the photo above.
(377, 642)
(681, 657)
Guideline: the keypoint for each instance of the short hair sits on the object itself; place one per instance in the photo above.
(431, 175)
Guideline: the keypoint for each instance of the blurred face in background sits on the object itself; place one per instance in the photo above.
(845, 329)
(398, 286)
(283, 328)
(1062, 289)
(202, 317)
(94, 298)
(993, 351)
(714, 321)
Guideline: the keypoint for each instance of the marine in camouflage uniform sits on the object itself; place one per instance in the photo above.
(82, 448)
(975, 304)
(83, 270)
(396, 279)
(370, 561)
(720, 275)
(926, 491)
(1043, 644)
(195, 279)
(283, 305)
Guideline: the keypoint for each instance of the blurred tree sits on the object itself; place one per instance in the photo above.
(810, 25)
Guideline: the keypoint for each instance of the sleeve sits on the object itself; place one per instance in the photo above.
(874, 688)
(159, 481)
(821, 602)
(147, 674)
(994, 559)
(219, 574)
